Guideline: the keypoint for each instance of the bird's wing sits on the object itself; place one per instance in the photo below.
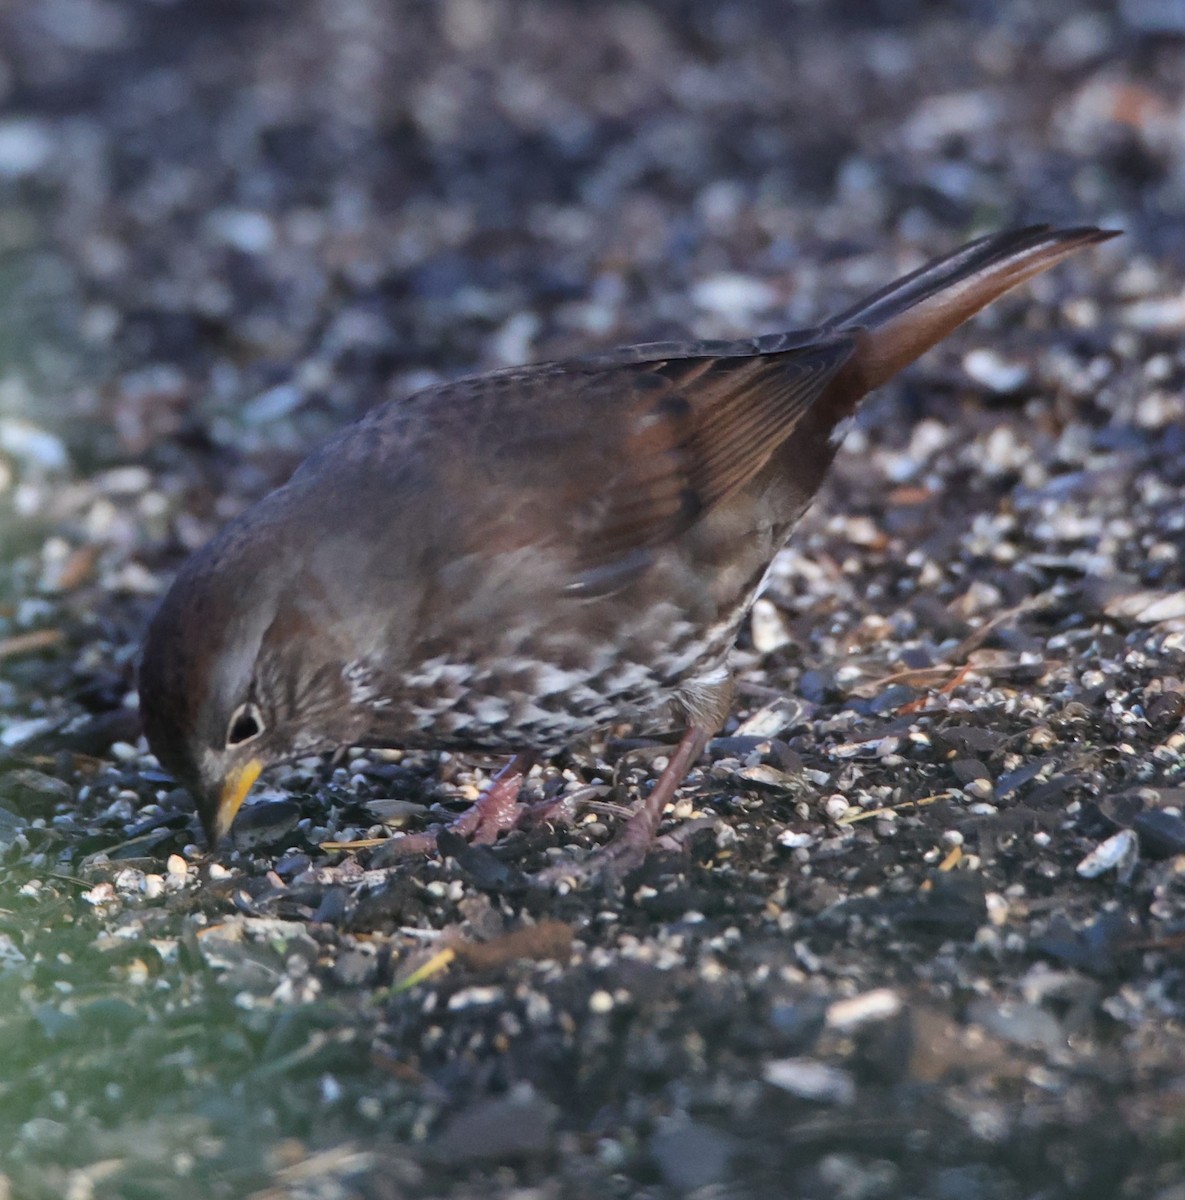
(614, 456)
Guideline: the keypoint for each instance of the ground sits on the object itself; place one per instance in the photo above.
(917, 925)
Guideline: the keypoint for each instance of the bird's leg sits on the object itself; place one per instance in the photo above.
(628, 850)
(496, 810)
(705, 702)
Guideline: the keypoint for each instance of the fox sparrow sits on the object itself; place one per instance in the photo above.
(507, 562)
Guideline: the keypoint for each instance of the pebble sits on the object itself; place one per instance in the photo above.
(471, 997)
(792, 840)
(32, 445)
(245, 229)
(855, 1011)
(692, 1156)
(272, 405)
(774, 719)
(11, 825)
(1119, 853)
(766, 627)
(1165, 314)
(26, 145)
(100, 894)
(129, 881)
(499, 1128)
(732, 295)
(766, 777)
(16, 733)
(1161, 833)
(998, 908)
(810, 1079)
(355, 967)
(124, 481)
(1024, 1024)
(11, 956)
(33, 793)
(836, 806)
(993, 370)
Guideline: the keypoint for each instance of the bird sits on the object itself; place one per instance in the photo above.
(509, 562)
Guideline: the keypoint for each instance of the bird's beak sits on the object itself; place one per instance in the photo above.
(233, 792)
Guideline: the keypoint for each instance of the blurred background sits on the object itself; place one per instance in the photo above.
(218, 215)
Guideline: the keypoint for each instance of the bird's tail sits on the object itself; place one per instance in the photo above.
(906, 318)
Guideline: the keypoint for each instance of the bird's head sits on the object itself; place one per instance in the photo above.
(234, 678)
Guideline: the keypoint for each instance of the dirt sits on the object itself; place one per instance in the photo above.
(916, 925)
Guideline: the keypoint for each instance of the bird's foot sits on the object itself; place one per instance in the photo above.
(609, 865)
(562, 810)
(628, 850)
(496, 811)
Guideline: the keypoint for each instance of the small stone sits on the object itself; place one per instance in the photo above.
(272, 405)
(766, 627)
(1041, 737)
(795, 841)
(766, 777)
(514, 342)
(100, 894)
(471, 997)
(14, 733)
(692, 1156)
(33, 446)
(11, 826)
(733, 295)
(1162, 314)
(11, 955)
(1161, 833)
(1148, 608)
(855, 1011)
(994, 371)
(510, 1126)
(355, 968)
(1023, 1024)
(244, 229)
(129, 881)
(1118, 853)
(997, 908)
(33, 793)
(265, 821)
(836, 806)
(26, 145)
(810, 1079)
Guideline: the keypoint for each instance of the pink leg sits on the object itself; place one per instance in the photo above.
(629, 848)
(494, 812)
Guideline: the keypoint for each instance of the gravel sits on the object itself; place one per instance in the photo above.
(916, 921)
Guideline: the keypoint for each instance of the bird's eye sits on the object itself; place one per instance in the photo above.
(245, 725)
